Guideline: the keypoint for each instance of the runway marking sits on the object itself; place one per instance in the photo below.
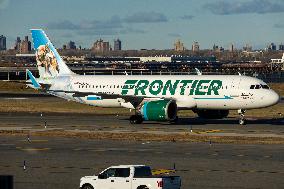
(15, 98)
(240, 155)
(32, 149)
(208, 131)
(267, 156)
(7, 144)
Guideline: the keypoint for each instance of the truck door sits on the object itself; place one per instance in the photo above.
(121, 179)
(105, 178)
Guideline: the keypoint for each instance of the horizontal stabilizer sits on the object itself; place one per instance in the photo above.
(35, 84)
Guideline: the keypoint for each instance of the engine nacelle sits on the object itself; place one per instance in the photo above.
(159, 110)
(212, 114)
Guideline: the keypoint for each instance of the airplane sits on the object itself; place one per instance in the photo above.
(153, 97)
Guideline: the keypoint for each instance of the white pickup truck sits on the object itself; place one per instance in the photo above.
(129, 177)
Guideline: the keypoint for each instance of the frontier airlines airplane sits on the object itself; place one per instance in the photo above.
(153, 97)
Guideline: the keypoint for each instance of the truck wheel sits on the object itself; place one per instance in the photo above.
(87, 186)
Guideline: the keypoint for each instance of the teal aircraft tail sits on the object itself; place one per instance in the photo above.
(49, 62)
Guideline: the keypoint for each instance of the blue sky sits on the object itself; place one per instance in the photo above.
(151, 24)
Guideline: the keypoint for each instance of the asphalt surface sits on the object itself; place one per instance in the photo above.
(113, 123)
(60, 162)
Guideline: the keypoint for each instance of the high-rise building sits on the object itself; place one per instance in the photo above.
(71, 45)
(271, 47)
(281, 47)
(101, 46)
(178, 46)
(117, 45)
(2, 43)
(25, 46)
(195, 46)
(231, 47)
(17, 46)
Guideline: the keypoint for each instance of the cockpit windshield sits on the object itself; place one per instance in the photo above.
(260, 86)
(265, 86)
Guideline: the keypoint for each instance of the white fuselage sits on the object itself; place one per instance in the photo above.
(218, 92)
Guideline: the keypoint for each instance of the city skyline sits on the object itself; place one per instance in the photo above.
(147, 24)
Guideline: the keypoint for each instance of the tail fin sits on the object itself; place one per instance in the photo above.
(49, 62)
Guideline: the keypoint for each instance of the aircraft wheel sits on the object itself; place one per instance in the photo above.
(87, 186)
(174, 120)
(242, 122)
(136, 119)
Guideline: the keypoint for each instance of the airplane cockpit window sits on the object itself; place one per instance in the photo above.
(252, 86)
(265, 86)
(257, 86)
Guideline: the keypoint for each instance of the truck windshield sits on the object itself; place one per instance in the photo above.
(142, 172)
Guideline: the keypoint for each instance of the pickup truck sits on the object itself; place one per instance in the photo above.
(129, 177)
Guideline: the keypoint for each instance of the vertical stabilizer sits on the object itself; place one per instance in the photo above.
(49, 62)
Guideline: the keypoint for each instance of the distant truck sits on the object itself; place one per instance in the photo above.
(129, 177)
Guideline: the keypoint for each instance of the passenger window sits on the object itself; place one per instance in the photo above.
(142, 172)
(122, 172)
(109, 173)
(252, 87)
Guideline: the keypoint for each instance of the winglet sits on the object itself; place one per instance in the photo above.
(35, 84)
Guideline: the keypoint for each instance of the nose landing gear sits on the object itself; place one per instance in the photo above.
(242, 120)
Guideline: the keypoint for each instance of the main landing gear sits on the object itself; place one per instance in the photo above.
(242, 120)
(136, 119)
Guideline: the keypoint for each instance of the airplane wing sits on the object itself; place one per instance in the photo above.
(134, 100)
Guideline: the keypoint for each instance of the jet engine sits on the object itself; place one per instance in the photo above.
(159, 110)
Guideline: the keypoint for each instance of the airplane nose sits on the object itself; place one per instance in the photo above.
(274, 98)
